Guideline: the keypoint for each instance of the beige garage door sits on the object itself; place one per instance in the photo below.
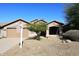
(13, 33)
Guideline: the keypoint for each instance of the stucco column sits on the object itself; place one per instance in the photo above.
(47, 32)
(60, 31)
(0, 33)
(4, 32)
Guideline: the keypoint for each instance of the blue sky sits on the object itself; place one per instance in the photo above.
(30, 11)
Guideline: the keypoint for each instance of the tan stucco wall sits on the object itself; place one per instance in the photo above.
(53, 24)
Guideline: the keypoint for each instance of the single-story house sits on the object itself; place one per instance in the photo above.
(12, 29)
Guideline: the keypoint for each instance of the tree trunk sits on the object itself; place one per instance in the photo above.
(38, 35)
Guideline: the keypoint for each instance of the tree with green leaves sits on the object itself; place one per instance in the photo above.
(38, 28)
(72, 16)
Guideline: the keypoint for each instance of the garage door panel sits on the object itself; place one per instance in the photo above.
(12, 33)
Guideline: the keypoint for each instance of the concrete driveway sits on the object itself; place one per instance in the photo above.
(8, 43)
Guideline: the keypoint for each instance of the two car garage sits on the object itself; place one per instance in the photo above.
(12, 29)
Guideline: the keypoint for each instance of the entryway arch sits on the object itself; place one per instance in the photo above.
(54, 30)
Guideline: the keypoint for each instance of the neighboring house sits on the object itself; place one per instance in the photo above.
(12, 29)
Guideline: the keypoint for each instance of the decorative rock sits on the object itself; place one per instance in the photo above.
(72, 35)
(68, 41)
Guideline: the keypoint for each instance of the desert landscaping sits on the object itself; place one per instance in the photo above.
(40, 36)
(45, 47)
